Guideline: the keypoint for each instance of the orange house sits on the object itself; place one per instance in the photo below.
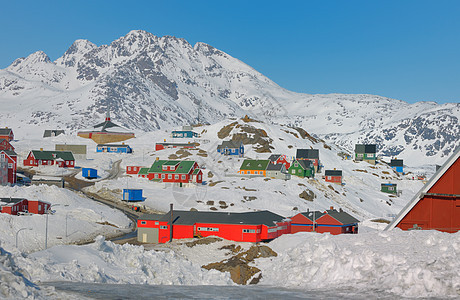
(437, 204)
(254, 167)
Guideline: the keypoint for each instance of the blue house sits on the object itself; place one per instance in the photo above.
(132, 195)
(89, 173)
(231, 148)
(397, 165)
(186, 132)
(114, 148)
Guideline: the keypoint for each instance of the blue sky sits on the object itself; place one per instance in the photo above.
(404, 49)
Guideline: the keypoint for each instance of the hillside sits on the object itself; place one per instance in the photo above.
(152, 83)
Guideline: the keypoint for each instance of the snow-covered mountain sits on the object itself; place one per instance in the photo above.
(151, 82)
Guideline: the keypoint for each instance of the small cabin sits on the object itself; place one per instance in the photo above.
(114, 148)
(397, 165)
(186, 132)
(89, 173)
(389, 188)
(334, 176)
(231, 148)
(366, 153)
(132, 195)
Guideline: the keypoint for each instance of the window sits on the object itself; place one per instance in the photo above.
(156, 175)
(162, 176)
(271, 230)
(296, 164)
(163, 227)
(176, 176)
(328, 177)
(183, 177)
(39, 207)
(3, 156)
(249, 231)
(390, 188)
(165, 168)
(370, 155)
(10, 165)
(199, 177)
(293, 171)
(156, 223)
(208, 229)
(143, 222)
(300, 171)
(129, 168)
(169, 176)
(359, 155)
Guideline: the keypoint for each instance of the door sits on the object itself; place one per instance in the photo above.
(144, 238)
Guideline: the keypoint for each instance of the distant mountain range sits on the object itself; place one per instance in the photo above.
(150, 83)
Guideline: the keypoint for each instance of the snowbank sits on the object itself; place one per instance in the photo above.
(106, 262)
(405, 263)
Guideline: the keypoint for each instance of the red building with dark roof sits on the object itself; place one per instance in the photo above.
(7, 134)
(437, 204)
(8, 166)
(13, 206)
(332, 221)
(241, 227)
(334, 176)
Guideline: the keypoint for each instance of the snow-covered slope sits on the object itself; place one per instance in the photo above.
(151, 82)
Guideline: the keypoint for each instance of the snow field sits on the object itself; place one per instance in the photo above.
(406, 263)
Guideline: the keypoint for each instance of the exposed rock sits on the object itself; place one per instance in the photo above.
(307, 195)
(203, 241)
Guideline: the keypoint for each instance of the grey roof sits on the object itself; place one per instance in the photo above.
(361, 148)
(273, 167)
(333, 173)
(313, 215)
(342, 216)
(274, 157)
(5, 131)
(191, 217)
(106, 124)
(229, 144)
(307, 154)
(113, 145)
(10, 201)
(177, 144)
(396, 163)
(305, 164)
(9, 152)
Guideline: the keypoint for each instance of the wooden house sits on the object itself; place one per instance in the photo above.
(240, 227)
(390, 188)
(111, 148)
(311, 155)
(106, 132)
(132, 195)
(175, 171)
(366, 153)
(437, 204)
(302, 168)
(52, 132)
(13, 206)
(280, 159)
(165, 145)
(7, 134)
(254, 167)
(133, 170)
(186, 132)
(143, 172)
(334, 176)
(5, 145)
(63, 159)
(331, 221)
(397, 165)
(9, 164)
(231, 148)
(277, 171)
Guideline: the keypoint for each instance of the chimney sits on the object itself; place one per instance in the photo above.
(164, 140)
(331, 208)
(107, 116)
(41, 149)
(170, 222)
(340, 209)
(157, 159)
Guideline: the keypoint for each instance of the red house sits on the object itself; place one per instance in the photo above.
(332, 221)
(13, 206)
(63, 159)
(7, 134)
(5, 145)
(437, 204)
(279, 159)
(8, 166)
(133, 170)
(241, 227)
(334, 176)
(161, 146)
(175, 171)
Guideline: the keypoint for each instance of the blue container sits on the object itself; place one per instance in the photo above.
(89, 173)
(132, 195)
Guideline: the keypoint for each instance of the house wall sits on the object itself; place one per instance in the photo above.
(38, 207)
(132, 169)
(334, 179)
(253, 172)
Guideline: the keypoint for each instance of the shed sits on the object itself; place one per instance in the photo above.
(277, 171)
(132, 195)
(388, 188)
(334, 176)
(52, 132)
(89, 173)
(437, 204)
(366, 152)
(397, 165)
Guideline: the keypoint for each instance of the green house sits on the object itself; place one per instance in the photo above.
(389, 188)
(366, 153)
(302, 168)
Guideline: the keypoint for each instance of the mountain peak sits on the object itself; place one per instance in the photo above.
(75, 52)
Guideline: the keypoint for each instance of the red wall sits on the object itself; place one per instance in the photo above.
(134, 169)
(436, 211)
(335, 179)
